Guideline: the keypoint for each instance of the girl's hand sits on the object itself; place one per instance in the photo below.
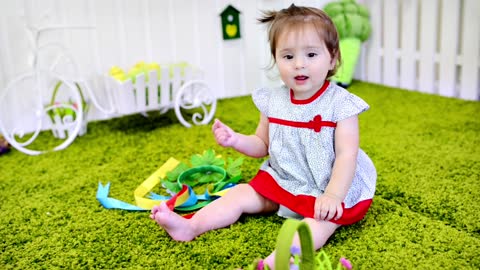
(327, 207)
(224, 135)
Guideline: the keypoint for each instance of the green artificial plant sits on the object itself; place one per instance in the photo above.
(352, 21)
(208, 158)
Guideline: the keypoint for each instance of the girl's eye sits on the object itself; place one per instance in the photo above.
(311, 54)
(288, 57)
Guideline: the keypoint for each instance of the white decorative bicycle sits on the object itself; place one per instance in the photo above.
(52, 96)
(44, 97)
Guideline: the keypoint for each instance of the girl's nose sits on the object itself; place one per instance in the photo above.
(299, 63)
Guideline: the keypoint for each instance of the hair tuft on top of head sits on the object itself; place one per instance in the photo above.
(297, 17)
(292, 10)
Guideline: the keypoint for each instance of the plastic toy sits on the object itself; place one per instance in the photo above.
(352, 21)
(304, 256)
(180, 180)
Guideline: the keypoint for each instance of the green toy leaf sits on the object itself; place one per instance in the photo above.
(355, 24)
(190, 181)
(333, 9)
(363, 11)
(208, 158)
(235, 179)
(209, 177)
(234, 167)
(351, 19)
(196, 160)
(366, 31)
(350, 8)
(173, 175)
(172, 186)
(341, 25)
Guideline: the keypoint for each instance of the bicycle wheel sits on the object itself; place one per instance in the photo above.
(26, 111)
(196, 99)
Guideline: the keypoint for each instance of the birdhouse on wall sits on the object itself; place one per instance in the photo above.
(230, 23)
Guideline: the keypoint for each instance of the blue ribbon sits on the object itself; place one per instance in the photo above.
(111, 203)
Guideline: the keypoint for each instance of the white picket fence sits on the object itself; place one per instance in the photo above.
(160, 90)
(430, 46)
(147, 93)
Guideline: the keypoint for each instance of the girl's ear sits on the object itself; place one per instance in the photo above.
(333, 62)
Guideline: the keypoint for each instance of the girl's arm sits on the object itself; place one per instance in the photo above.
(251, 145)
(346, 150)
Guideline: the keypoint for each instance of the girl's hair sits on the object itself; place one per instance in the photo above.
(293, 18)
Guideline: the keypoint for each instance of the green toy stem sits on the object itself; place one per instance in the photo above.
(212, 187)
(81, 94)
(350, 49)
(55, 91)
(284, 242)
(202, 169)
(193, 207)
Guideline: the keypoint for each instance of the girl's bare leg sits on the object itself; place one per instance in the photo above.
(241, 199)
(321, 230)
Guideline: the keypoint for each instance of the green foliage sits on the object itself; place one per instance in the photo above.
(351, 19)
(234, 168)
(175, 173)
(170, 182)
(424, 216)
(208, 157)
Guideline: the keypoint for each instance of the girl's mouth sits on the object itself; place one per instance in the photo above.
(301, 79)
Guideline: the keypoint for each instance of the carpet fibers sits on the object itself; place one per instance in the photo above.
(425, 214)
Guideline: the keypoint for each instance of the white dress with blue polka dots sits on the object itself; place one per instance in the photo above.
(301, 158)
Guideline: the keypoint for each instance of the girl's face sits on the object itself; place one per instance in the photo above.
(303, 61)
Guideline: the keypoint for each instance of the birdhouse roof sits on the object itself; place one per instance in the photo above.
(229, 10)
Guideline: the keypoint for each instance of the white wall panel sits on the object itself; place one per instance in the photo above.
(134, 31)
(254, 43)
(78, 41)
(15, 46)
(162, 30)
(169, 31)
(208, 34)
(231, 56)
(109, 44)
(183, 22)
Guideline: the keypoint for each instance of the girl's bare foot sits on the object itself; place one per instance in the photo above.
(177, 227)
(270, 260)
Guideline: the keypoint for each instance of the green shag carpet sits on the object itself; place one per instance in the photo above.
(426, 213)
